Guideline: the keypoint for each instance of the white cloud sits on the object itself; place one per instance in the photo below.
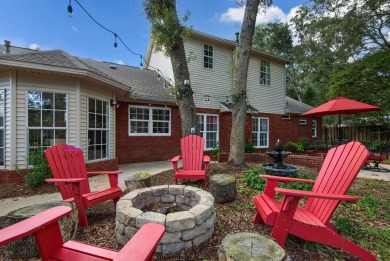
(271, 14)
(34, 46)
(75, 28)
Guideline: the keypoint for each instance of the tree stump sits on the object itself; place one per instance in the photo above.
(26, 248)
(246, 246)
(223, 187)
(138, 180)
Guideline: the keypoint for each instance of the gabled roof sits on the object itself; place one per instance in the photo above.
(143, 83)
(296, 107)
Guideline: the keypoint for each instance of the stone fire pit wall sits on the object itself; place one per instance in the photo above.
(184, 229)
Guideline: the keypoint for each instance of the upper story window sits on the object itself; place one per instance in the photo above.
(208, 126)
(98, 129)
(260, 132)
(265, 72)
(149, 121)
(2, 122)
(314, 128)
(208, 54)
(46, 119)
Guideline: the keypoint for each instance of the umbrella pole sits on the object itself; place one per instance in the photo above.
(339, 129)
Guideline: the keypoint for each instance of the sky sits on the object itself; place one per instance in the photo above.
(45, 24)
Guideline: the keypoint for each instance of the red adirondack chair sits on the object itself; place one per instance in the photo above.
(70, 175)
(46, 230)
(192, 157)
(312, 222)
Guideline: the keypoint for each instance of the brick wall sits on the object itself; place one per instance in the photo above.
(299, 160)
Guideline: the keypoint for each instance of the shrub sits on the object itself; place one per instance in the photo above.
(216, 150)
(40, 171)
(294, 146)
(249, 148)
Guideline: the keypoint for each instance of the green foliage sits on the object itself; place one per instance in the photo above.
(216, 150)
(370, 205)
(251, 177)
(294, 146)
(41, 170)
(249, 148)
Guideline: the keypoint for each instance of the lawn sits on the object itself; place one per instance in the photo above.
(365, 223)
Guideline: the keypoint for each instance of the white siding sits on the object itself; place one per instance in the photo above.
(266, 98)
(216, 82)
(101, 93)
(163, 63)
(5, 85)
(27, 82)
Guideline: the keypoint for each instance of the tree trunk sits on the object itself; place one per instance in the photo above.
(239, 108)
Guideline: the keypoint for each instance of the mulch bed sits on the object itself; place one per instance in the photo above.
(231, 217)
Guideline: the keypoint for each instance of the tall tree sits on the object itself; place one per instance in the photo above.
(168, 34)
(239, 110)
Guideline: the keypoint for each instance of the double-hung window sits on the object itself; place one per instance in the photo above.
(46, 119)
(149, 121)
(260, 132)
(314, 128)
(265, 72)
(98, 129)
(208, 54)
(2, 121)
(208, 126)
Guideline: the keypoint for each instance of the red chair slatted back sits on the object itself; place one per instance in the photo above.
(341, 166)
(192, 147)
(65, 162)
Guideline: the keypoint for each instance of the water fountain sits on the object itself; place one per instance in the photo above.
(278, 168)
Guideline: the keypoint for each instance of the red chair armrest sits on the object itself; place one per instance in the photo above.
(301, 193)
(206, 159)
(76, 180)
(175, 159)
(143, 245)
(286, 179)
(115, 172)
(33, 224)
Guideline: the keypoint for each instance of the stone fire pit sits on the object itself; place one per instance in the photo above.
(184, 229)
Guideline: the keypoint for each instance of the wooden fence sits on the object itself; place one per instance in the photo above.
(362, 133)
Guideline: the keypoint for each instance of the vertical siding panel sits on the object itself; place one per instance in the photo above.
(5, 85)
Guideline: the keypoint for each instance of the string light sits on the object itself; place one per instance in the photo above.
(70, 9)
(115, 43)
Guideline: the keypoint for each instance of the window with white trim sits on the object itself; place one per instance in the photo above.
(149, 121)
(208, 54)
(314, 128)
(2, 122)
(46, 119)
(208, 126)
(265, 72)
(98, 129)
(302, 122)
(260, 132)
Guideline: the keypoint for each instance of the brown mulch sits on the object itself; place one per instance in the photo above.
(231, 217)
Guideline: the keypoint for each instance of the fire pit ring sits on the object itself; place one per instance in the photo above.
(184, 229)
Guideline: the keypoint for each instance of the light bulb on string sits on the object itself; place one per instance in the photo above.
(70, 9)
(115, 43)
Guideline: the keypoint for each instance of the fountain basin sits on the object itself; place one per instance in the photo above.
(286, 170)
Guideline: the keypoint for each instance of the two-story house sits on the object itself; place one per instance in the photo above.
(271, 115)
(120, 114)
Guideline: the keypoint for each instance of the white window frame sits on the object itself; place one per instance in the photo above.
(41, 128)
(203, 133)
(259, 131)
(150, 121)
(95, 129)
(286, 117)
(206, 55)
(314, 128)
(302, 122)
(265, 72)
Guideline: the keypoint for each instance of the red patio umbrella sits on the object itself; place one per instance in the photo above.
(341, 105)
